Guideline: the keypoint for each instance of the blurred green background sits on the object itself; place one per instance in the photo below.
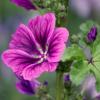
(10, 17)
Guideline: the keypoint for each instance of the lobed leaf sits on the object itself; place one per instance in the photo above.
(73, 52)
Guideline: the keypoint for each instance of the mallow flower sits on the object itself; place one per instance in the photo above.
(27, 4)
(36, 48)
(27, 87)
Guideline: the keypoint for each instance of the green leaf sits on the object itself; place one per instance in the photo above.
(85, 27)
(96, 65)
(96, 45)
(96, 70)
(82, 67)
(79, 71)
(73, 52)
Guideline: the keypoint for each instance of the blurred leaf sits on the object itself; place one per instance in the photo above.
(96, 44)
(73, 52)
(79, 71)
(96, 65)
(81, 68)
(96, 71)
(85, 27)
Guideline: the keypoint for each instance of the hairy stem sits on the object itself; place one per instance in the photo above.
(59, 86)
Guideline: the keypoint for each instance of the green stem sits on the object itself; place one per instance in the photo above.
(59, 86)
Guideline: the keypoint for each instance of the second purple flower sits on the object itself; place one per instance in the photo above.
(27, 4)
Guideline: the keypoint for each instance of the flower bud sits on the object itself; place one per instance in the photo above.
(91, 36)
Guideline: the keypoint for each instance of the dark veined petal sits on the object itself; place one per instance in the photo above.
(42, 28)
(17, 60)
(23, 39)
(57, 44)
(33, 72)
(27, 4)
(27, 87)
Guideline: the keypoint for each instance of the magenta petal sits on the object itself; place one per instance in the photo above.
(27, 4)
(51, 66)
(33, 72)
(57, 44)
(17, 60)
(23, 39)
(42, 28)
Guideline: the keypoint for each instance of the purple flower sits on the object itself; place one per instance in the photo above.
(89, 88)
(36, 48)
(91, 36)
(27, 87)
(81, 7)
(66, 78)
(97, 97)
(27, 4)
(86, 8)
(45, 83)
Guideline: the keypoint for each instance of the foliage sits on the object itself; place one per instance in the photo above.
(75, 61)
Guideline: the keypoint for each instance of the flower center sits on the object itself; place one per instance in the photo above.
(43, 55)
